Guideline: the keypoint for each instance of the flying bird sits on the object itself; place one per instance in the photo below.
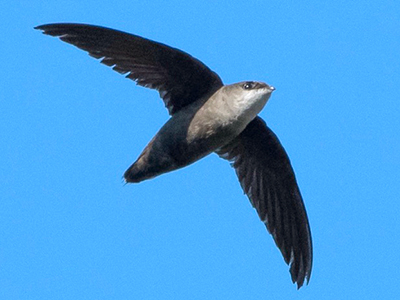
(207, 116)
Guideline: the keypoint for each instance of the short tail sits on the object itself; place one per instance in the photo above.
(151, 163)
(136, 174)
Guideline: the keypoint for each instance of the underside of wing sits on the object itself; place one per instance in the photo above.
(266, 176)
(180, 78)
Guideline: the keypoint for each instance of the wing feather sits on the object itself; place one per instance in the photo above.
(266, 176)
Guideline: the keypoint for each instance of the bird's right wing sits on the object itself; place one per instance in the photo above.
(180, 78)
(267, 177)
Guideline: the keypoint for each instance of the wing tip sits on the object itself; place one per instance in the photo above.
(54, 28)
(47, 26)
(40, 27)
(47, 29)
(301, 274)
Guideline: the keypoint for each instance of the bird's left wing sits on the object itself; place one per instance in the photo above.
(180, 78)
(266, 176)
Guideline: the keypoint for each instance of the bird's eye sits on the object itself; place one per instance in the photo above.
(248, 85)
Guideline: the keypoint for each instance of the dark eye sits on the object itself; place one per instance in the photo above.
(248, 85)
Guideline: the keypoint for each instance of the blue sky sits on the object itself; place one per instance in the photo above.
(70, 126)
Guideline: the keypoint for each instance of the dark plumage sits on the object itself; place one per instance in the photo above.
(206, 117)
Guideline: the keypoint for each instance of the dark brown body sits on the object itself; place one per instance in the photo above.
(196, 131)
(207, 116)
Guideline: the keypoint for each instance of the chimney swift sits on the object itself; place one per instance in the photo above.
(207, 116)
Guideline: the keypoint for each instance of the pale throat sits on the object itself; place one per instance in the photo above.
(247, 108)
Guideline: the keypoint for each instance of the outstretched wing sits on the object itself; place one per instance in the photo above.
(180, 78)
(266, 176)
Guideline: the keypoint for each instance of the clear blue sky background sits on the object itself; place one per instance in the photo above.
(69, 127)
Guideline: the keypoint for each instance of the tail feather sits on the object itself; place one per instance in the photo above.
(138, 172)
(150, 164)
